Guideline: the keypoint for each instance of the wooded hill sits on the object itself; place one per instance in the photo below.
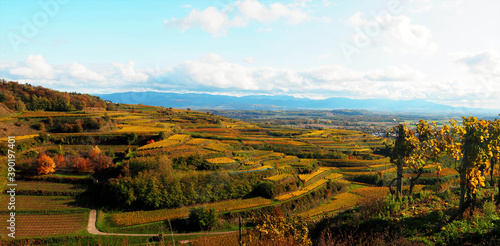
(20, 97)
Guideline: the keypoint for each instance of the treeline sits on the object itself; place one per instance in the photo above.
(149, 183)
(94, 161)
(309, 153)
(22, 97)
(72, 125)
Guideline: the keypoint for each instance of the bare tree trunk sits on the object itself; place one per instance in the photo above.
(462, 189)
(399, 181)
(437, 176)
(469, 200)
(473, 204)
(412, 181)
(463, 177)
(494, 179)
(498, 195)
(460, 212)
(390, 186)
(463, 185)
(492, 171)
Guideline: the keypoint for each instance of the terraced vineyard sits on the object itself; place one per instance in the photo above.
(142, 217)
(154, 165)
(45, 209)
(302, 191)
(34, 225)
(42, 203)
(342, 201)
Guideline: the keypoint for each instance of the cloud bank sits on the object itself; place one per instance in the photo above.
(214, 74)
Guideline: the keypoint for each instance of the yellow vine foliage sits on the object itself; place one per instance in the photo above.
(307, 177)
(302, 191)
(279, 177)
(276, 229)
(220, 160)
(341, 201)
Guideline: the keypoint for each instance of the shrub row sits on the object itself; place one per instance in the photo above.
(302, 203)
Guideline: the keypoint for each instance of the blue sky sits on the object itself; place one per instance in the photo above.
(444, 51)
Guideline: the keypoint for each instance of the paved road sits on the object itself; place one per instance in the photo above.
(92, 229)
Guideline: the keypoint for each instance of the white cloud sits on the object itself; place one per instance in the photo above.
(356, 21)
(186, 6)
(422, 8)
(81, 72)
(418, 6)
(333, 73)
(473, 83)
(36, 68)
(210, 20)
(477, 78)
(342, 73)
(213, 73)
(302, 3)
(396, 32)
(483, 62)
(217, 22)
(249, 60)
(417, 38)
(254, 10)
(458, 6)
(395, 73)
(128, 72)
(212, 58)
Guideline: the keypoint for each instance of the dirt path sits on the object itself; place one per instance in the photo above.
(92, 229)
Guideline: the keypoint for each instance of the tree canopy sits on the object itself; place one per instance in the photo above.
(21, 97)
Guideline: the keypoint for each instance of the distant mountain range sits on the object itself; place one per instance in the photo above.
(282, 102)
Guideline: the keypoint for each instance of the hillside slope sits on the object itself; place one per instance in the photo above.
(282, 102)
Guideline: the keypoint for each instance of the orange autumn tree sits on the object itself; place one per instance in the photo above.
(60, 161)
(80, 164)
(101, 162)
(46, 165)
(94, 152)
(98, 161)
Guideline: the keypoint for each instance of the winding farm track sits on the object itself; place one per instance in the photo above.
(92, 229)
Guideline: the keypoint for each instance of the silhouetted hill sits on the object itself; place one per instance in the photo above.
(281, 102)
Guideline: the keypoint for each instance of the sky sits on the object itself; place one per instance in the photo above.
(445, 51)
